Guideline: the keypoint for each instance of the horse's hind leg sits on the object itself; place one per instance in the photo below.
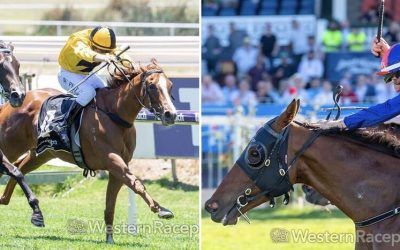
(27, 164)
(13, 172)
(120, 170)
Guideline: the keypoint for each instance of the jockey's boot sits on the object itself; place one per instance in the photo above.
(69, 119)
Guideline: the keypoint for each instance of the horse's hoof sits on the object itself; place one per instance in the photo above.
(165, 213)
(109, 239)
(3, 201)
(37, 219)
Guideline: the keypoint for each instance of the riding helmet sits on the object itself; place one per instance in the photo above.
(103, 38)
(390, 64)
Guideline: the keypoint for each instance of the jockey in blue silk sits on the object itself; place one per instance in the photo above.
(374, 115)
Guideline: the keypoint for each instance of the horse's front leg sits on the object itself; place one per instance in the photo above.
(120, 170)
(113, 187)
(15, 173)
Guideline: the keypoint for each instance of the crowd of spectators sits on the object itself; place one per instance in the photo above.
(248, 74)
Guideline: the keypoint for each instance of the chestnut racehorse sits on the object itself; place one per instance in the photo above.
(105, 144)
(13, 91)
(358, 171)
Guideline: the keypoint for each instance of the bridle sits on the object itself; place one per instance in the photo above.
(276, 161)
(145, 89)
(275, 166)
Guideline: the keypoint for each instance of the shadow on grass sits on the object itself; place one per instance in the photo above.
(167, 183)
(289, 213)
(72, 239)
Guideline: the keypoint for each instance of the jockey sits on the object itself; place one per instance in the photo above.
(83, 51)
(374, 115)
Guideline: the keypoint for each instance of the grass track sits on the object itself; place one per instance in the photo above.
(86, 203)
(257, 235)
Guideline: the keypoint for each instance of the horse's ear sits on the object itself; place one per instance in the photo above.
(298, 106)
(287, 116)
(11, 46)
(154, 61)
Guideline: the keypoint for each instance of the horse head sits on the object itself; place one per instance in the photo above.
(258, 175)
(12, 88)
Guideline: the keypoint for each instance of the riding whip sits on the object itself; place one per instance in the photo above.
(380, 25)
(97, 70)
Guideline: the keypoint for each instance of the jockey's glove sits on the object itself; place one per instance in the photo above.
(104, 58)
(331, 124)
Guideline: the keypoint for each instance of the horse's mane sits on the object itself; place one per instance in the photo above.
(384, 138)
(117, 79)
(3, 44)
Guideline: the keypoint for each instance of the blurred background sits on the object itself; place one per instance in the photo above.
(165, 30)
(257, 55)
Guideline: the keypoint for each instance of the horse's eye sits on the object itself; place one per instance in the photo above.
(152, 87)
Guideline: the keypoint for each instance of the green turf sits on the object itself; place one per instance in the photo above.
(284, 224)
(85, 205)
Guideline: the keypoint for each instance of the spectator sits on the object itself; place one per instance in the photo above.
(310, 67)
(265, 92)
(313, 46)
(235, 37)
(258, 72)
(324, 97)
(332, 38)
(210, 91)
(315, 88)
(229, 86)
(298, 41)
(383, 91)
(295, 89)
(243, 96)
(284, 70)
(300, 85)
(269, 44)
(212, 49)
(348, 96)
(364, 90)
(345, 30)
(356, 40)
(245, 57)
(392, 33)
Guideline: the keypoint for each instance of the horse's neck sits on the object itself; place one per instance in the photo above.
(122, 101)
(350, 176)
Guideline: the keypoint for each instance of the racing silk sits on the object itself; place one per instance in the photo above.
(374, 115)
(77, 56)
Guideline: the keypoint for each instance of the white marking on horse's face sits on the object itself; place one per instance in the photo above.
(360, 196)
(162, 82)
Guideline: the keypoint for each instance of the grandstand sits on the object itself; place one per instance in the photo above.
(262, 7)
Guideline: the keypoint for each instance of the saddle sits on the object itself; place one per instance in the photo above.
(53, 111)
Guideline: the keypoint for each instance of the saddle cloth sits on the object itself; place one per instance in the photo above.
(52, 113)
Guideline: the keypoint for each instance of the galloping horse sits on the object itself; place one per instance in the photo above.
(106, 145)
(358, 171)
(13, 91)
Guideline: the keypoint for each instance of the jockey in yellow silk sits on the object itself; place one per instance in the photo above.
(83, 51)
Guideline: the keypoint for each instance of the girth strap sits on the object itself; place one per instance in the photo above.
(114, 117)
(378, 218)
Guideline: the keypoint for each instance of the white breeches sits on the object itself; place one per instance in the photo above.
(86, 91)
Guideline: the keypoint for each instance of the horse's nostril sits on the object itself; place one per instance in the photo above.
(14, 95)
(169, 115)
(211, 207)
